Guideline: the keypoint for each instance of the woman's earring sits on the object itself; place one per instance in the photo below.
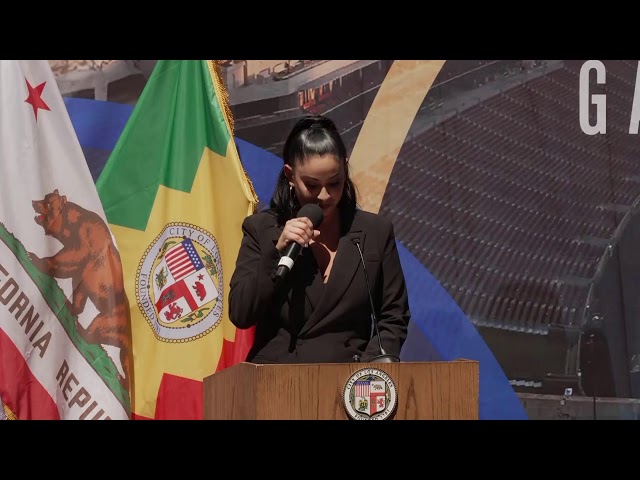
(292, 197)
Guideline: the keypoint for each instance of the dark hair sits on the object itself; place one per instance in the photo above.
(312, 135)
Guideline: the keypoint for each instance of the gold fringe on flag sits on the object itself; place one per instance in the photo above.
(221, 90)
(8, 413)
(223, 100)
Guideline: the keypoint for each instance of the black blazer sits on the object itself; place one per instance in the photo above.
(303, 320)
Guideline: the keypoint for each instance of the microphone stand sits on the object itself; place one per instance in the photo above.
(384, 357)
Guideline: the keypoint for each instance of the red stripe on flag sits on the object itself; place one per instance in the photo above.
(177, 252)
(20, 389)
(180, 262)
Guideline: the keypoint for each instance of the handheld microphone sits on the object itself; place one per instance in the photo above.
(384, 357)
(314, 213)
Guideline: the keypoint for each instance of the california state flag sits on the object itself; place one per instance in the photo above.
(64, 321)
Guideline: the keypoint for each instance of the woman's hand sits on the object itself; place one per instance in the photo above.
(299, 230)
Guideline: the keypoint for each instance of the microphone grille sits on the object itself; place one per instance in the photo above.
(313, 212)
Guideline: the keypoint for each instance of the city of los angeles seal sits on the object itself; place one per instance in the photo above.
(179, 283)
(369, 394)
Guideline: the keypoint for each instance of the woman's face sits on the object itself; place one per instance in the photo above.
(318, 179)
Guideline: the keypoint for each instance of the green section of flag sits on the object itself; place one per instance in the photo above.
(57, 301)
(157, 147)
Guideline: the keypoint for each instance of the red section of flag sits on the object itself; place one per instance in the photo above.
(236, 351)
(20, 390)
(181, 398)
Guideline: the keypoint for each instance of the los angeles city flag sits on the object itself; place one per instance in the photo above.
(65, 340)
(175, 194)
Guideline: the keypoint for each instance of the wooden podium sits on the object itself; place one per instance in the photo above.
(422, 390)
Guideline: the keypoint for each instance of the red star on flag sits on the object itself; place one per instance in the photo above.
(35, 98)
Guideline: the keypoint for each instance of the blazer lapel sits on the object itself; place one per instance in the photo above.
(345, 265)
(314, 291)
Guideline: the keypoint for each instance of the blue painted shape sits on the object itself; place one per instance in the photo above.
(98, 124)
(440, 330)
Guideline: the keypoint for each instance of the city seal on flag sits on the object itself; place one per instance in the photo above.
(370, 394)
(179, 287)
